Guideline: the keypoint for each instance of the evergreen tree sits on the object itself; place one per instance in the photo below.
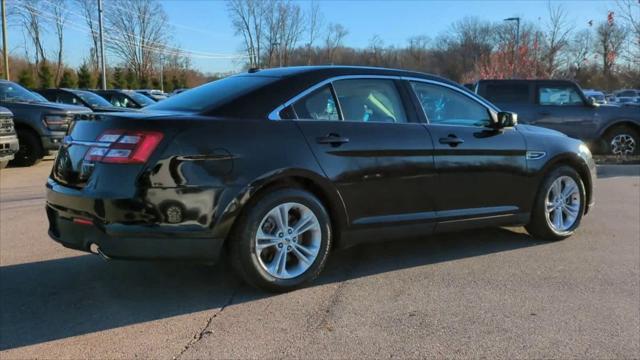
(175, 82)
(132, 82)
(68, 79)
(45, 76)
(155, 83)
(85, 80)
(25, 78)
(118, 81)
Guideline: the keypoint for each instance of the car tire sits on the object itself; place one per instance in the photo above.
(30, 151)
(556, 218)
(622, 141)
(268, 254)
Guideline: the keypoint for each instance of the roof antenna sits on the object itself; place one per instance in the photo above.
(254, 70)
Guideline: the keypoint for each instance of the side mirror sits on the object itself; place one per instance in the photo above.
(591, 101)
(504, 119)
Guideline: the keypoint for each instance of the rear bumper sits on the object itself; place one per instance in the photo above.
(130, 242)
(102, 221)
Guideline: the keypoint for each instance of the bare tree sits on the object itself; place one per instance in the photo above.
(314, 23)
(28, 13)
(60, 16)
(557, 37)
(630, 14)
(247, 18)
(142, 34)
(89, 9)
(335, 34)
(609, 42)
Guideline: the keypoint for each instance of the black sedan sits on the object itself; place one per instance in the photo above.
(79, 97)
(274, 168)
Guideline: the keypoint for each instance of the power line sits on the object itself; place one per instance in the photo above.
(194, 53)
(162, 49)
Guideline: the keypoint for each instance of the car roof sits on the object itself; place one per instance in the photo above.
(291, 81)
(339, 70)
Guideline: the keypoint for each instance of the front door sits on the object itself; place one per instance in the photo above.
(563, 109)
(370, 146)
(481, 171)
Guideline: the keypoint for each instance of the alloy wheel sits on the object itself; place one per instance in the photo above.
(623, 144)
(288, 240)
(562, 204)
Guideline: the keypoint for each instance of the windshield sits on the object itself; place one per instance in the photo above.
(13, 92)
(91, 98)
(213, 94)
(140, 99)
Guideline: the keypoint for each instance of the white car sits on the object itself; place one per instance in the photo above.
(627, 96)
(598, 96)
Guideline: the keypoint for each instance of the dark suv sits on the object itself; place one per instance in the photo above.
(86, 98)
(561, 105)
(40, 125)
(8, 138)
(125, 98)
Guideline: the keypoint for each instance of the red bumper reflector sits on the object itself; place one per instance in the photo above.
(81, 221)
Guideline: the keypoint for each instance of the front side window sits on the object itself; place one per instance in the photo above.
(370, 100)
(559, 96)
(319, 105)
(442, 105)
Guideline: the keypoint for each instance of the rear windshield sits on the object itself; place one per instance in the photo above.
(212, 94)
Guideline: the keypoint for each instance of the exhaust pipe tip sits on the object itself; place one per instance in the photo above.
(95, 249)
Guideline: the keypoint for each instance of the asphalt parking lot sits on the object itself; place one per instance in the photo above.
(489, 293)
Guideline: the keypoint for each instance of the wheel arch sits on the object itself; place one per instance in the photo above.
(618, 123)
(577, 163)
(307, 180)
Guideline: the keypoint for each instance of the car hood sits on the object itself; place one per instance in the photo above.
(530, 129)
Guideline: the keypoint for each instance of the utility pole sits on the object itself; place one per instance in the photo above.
(517, 47)
(102, 57)
(161, 72)
(5, 47)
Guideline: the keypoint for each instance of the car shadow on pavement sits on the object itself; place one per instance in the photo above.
(56, 299)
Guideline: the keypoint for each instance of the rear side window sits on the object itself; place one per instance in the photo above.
(370, 100)
(319, 105)
(212, 94)
(507, 92)
(559, 95)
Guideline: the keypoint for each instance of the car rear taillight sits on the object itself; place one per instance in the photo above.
(124, 147)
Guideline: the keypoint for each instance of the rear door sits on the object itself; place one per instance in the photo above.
(369, 143)
(481, 171)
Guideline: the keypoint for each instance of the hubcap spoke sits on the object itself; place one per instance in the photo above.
(302, 257)
(265, 240)
(304, 224)
(279, 264)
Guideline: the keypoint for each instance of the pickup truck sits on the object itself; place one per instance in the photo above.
(8, 138)
(561, 105)
(40, 125)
